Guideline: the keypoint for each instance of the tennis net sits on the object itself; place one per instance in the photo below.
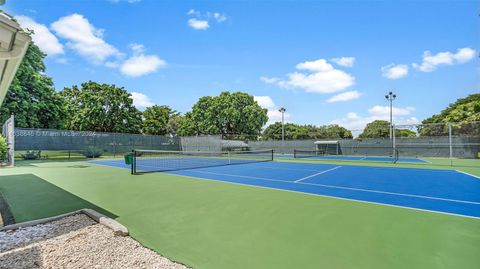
(145, 161)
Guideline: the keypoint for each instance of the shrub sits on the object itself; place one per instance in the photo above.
(3, 148)
(92, 152)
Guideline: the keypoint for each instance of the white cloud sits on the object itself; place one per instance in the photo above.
(355, 122)
(431, 62)
(139, 65)
(344, 61)
(464, 55)
(193, 12)
(345, 96)
(42, 37)
(276, 116)
(201, 21)
(321, 77)
(396, 111)
(268, 80)
(84, 38)
(137, 48)
(265, 101)
(393, 71)
(198, 24)
(140, 100)
(219, 17)
(273, 114)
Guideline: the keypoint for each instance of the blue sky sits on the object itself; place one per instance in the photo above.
(324, 61)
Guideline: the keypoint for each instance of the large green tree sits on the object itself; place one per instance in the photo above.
(292, 131)
(405, 133)
(463, 113)
(295, 131)
(376, 129)
(159, 120)
(102, 108)
(225, 114)
(329, 131)
(31, 96)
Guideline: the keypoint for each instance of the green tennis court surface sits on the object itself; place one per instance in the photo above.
(214, 224)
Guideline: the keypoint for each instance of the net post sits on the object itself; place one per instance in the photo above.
(132, 165)
(272, 154)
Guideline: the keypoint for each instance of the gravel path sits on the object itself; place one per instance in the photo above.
(75, 242)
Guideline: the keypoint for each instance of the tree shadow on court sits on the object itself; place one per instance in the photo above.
(30, 197)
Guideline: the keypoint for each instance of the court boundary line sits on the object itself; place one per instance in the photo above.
(340, 187)
(312, 194)
(468, 174)
(317, 174)
(331, 197)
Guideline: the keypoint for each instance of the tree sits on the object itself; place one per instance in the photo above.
(376, 129)
(464, 113)
(405, 133)
(157, 120)
(173, 123)
(225, 114)
(295, 131)
(31, 96)
(102, 108)
(292, 132)
(3, 148)
(329, 131)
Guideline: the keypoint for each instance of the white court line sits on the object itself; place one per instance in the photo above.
(339, 187)
(319, 173)
(468, 174)
(291, 169)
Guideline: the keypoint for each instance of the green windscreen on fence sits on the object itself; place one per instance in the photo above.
(66, 143)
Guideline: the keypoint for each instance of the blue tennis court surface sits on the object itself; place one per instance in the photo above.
(444, 191)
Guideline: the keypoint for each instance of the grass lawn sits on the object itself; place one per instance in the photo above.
(211, 224)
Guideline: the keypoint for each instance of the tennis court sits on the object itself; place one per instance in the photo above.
(443, 191)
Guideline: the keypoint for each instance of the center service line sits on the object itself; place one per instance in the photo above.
(323, 172)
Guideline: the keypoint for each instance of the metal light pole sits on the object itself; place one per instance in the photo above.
(390, 97)
(282, 110)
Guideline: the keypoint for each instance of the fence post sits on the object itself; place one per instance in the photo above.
(394, 141)
(450, 141)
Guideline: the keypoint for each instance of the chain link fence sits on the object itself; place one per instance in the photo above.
(42, 143)
(438, 143)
